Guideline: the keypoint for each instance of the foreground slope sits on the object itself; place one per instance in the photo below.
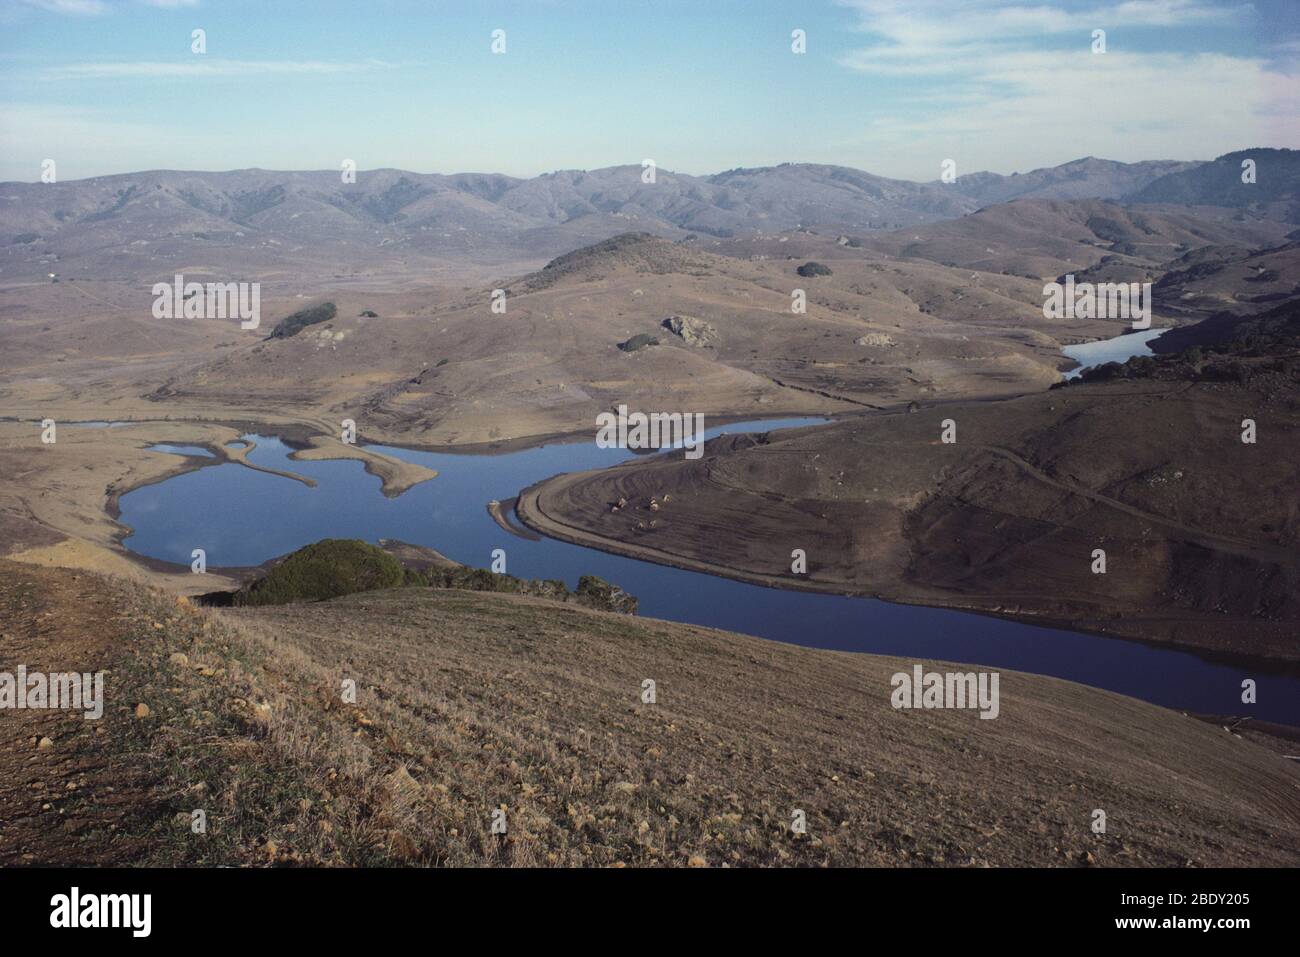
(470, 702)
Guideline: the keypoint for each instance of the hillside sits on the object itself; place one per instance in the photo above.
(1200, 530)
(444, 368)
(1044, 239)
(1087, 178)
(1275, 190)
(473, 702)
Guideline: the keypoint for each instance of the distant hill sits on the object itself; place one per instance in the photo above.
(1087, 178)
(1276, 188)
(262, 223)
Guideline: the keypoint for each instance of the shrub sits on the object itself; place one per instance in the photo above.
(292, 325)
(810, 269)
(327, 569)
(639, 341)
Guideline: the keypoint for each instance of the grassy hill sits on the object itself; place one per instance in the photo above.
(470, 702)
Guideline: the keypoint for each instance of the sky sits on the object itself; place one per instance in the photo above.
(699, 86)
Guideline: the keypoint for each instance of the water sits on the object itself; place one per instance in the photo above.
(243, 517)
(1119, 349)
(197, 450)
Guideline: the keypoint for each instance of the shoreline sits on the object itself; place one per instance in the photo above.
(530, 513)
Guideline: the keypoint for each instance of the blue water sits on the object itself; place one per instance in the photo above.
(243, 517)
(182, 450)
(1119, 349)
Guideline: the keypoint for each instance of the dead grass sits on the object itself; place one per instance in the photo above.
(472, 702)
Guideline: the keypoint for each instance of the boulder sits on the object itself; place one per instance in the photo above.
(695, 332)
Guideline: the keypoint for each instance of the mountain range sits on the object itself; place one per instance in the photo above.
(263, 224)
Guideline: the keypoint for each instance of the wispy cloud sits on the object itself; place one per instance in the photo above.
(96, 7)
(929, 38)
(209, 67)
(991, 81)
(75, 7)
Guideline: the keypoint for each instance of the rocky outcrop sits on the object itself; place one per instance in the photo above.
(877, 340)
(695, 332)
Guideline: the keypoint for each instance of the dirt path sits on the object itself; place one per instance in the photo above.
(1207, 539)
(61, 777)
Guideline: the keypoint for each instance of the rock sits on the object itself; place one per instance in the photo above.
(878, 340)
(595, 592)
(401, 788)
(142, 710)
(695, 332)
(44, 743)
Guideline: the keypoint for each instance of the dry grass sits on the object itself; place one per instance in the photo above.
(470, 702)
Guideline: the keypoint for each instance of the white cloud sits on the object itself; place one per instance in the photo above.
(1004, 88)
(208, 67)
(77, 7)
(96, 7)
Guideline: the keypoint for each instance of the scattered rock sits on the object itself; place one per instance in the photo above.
(878, 340)
(142, 710)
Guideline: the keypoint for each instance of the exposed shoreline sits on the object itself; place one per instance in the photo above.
(530, 512)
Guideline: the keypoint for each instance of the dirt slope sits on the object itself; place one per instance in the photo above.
(1201, 531)
(470, 702)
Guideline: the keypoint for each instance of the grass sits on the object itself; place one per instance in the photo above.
(469, 702)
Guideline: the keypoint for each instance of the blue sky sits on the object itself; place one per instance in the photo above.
(108, 86)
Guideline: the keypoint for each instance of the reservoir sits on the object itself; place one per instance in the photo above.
(244, 517)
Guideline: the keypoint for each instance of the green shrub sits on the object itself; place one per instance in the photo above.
(639, 341)
(327, 569)
(292, 325)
